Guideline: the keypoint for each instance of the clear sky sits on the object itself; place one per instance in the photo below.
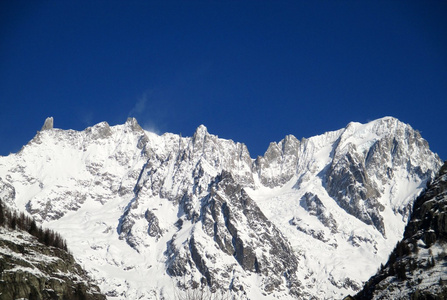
(251, 71)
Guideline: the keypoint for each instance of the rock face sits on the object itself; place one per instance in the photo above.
(278, 164)
(355, 176)
(304, 220)
(246, 241)
(7, 192)
(31, 270)
(416, 269)
(48, 124)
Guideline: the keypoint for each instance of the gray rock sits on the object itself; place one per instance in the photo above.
(153, 225)
(235, 224)
(99, 131)
(283, 156)
(353, 176)
(404, 275)
(48, 124)
(315, 207)
(32, 270)
(348, 182)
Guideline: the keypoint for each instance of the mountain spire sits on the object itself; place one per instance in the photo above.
(48, 124)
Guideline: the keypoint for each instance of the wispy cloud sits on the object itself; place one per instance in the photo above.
(148, 110)
(139, 106)
(151, 127)
(87, 118)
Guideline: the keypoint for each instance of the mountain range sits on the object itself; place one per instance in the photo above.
(151, 215)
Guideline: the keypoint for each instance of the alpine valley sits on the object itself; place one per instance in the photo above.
(149, 216)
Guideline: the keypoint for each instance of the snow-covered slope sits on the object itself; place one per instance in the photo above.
(416, 269)
(146, 213)
(34, 263)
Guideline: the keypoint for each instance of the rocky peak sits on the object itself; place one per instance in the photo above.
(367, 156)
(99, 131)
(279, 163)
(387, 125)
(277, 151)
(48, 124)
(200, 135)
(132, 123)
(290, 145)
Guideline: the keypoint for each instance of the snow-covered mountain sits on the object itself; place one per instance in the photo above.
(35, 264)
(146, 214)
(416, 269)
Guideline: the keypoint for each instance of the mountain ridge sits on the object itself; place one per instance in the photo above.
(416, 268)
(147, 199)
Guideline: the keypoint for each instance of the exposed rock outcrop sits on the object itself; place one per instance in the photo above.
(355, 174)
(48, 124)
(31, 270)
(233, 222)
(416, 269)
(279, 162)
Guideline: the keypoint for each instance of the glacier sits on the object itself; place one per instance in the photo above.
(147, 215)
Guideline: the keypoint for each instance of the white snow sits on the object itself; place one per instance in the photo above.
(81, 186)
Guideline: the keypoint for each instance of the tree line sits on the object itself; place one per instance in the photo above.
(20, 221)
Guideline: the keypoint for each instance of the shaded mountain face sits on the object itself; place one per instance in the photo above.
(416, 269)
(30, 269)
(311, 218)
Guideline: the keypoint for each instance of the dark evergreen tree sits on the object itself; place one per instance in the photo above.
(34, 295)
(47, 237)
(392, 258)
(33, 230)
(13, 221)
(80, 292)
(392, 271)
(400, 272)
(2, 266)
(23, 222)
(2, 214)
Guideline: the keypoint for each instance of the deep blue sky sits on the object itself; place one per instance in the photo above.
(251, 71)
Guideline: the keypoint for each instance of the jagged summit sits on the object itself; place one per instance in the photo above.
(199, 209)
(48, 124)
(201, 129)
(133, 123)
(200, 133)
